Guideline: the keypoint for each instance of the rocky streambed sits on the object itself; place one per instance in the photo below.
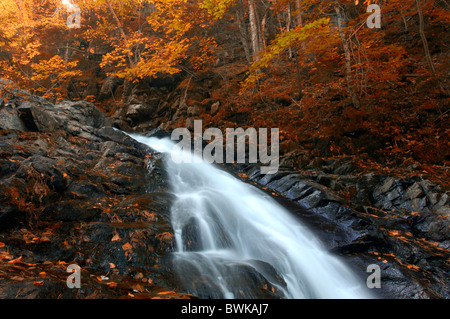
(400, 224)
(73, 190)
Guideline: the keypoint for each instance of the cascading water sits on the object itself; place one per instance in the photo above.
(234, 241)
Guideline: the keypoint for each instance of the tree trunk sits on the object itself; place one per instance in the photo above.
(299, 79)
(424, 39)
(255, 39)
(347, 55)
(299, 12)
(243, 31)
(66, 54)
(288, 27)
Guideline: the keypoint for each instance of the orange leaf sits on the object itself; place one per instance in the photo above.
(15, 261)
(127, 246)
(166, 292)
(38, 283)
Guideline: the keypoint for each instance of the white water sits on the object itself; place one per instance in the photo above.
(225, 229)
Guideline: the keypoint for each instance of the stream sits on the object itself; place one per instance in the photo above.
(235, 241)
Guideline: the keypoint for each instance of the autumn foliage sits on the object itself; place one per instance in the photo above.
(314, 69)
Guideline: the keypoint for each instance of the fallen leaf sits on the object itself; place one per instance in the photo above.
(38, 283)
(127, 246)
(111, 265)
(138, 288)
(115, 238)
(2, 244)
(414, 267)
(166, 292)
(15, 261)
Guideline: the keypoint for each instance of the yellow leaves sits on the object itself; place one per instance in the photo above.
(314, 30)
(53, 74)
(55, 66)
(217, 8)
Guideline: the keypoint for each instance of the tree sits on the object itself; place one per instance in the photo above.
(347, 54)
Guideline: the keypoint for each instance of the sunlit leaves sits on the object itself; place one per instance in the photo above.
(52, 73)
(283, 41)
(217, 8)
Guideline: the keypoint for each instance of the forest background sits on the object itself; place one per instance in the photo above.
(314, 69)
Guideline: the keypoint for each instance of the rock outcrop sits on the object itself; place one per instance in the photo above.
(401, 224)
(73, 190)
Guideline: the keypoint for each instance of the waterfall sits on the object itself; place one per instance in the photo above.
(235, 241)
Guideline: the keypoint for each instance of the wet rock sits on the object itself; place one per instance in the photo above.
(80, 192)
(109, 86)
(26, 116)
(45, 171)
(415, 191)
(69, 211)
(439, 229)
(246, 280)
(266, 179)
(9, 119)
(285, 183)
(158, 133)
(402, 217)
